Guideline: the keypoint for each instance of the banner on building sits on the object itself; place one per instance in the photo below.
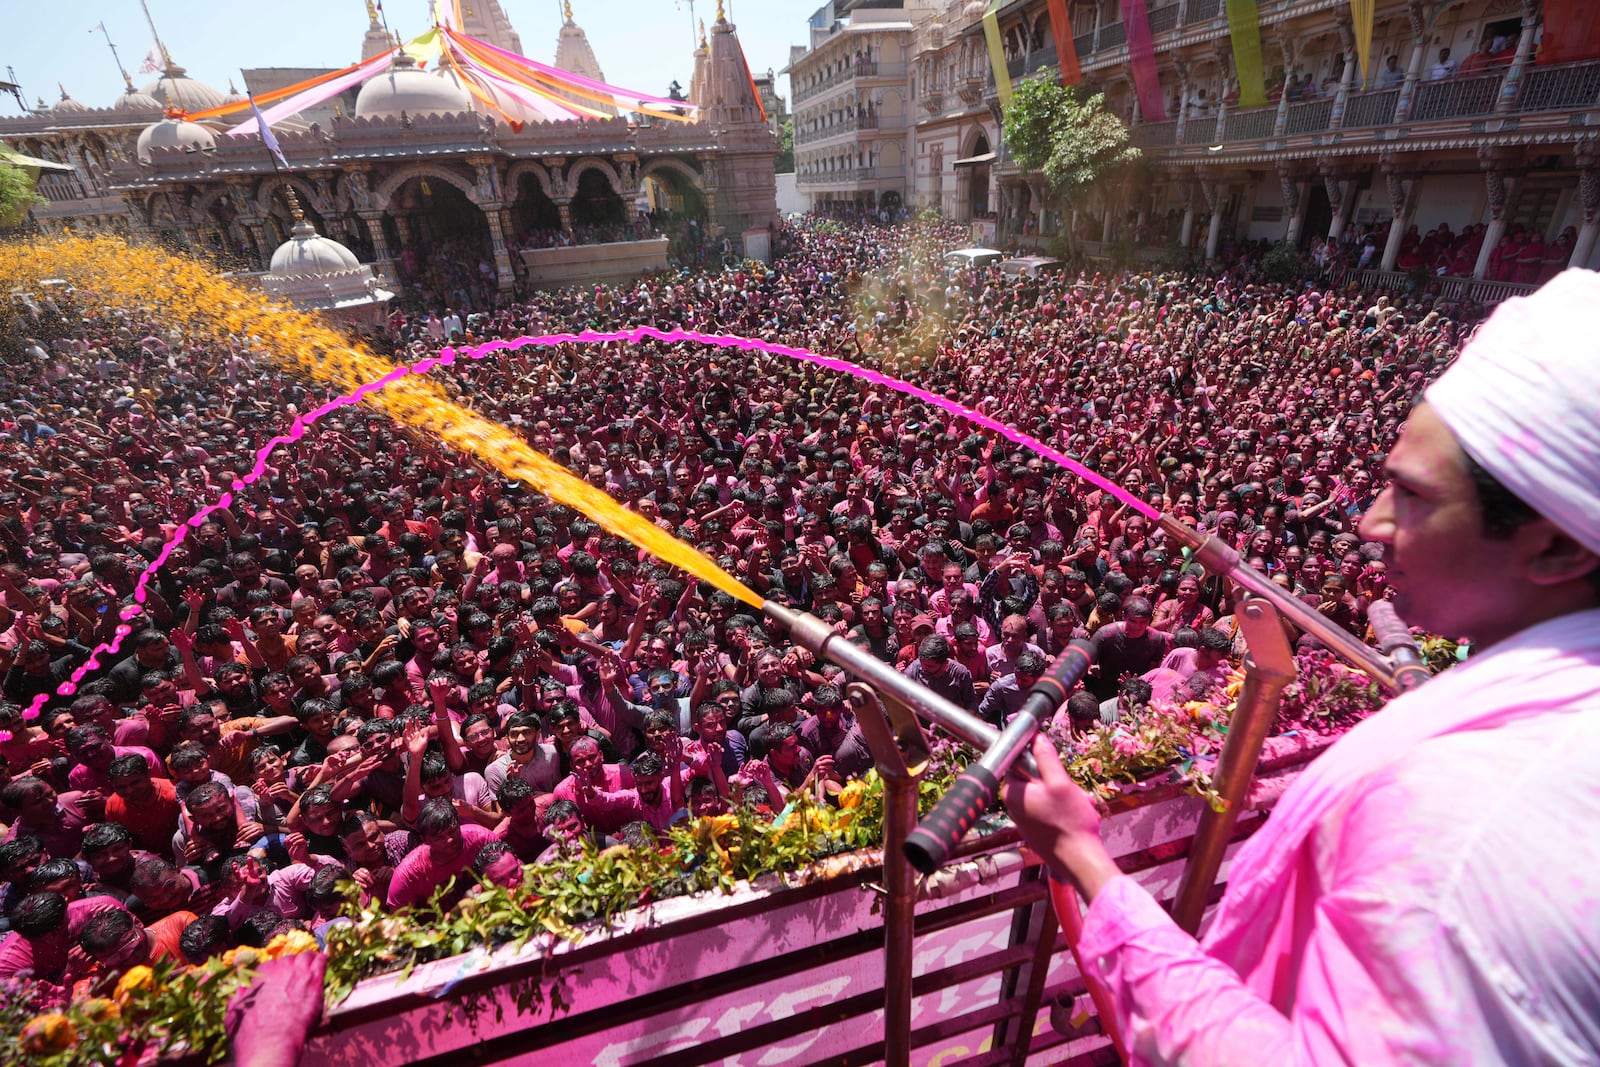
(1571, 31)
(1142, 59)
(1066, 48)
(997, 53)
(1361, 12)
(1244, 29)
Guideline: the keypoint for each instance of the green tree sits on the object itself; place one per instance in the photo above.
(17, 197)
(1068, 135)
(784, 164)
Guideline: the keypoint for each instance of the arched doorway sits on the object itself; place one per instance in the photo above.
(674, 196)
(595, 203)
(441, 238)
(533, 212)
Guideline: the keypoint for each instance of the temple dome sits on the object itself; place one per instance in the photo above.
(407, 88)
(308, 252)
(67, 104)
(134, 100)
(173, 133)
(175, 89)
(316, 273)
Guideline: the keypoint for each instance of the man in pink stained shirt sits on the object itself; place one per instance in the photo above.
(1428, 891)
(447, 849)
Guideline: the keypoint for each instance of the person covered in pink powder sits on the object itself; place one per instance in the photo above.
(1428, 892)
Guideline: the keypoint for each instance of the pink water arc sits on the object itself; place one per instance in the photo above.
(749, 344)
(303, 422)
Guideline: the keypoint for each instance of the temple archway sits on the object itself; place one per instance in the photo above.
(436, 230)
(674, 190)
(595, 202)
(532, 210)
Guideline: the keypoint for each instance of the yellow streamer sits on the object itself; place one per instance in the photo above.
(109, 273)
(997, 53)
(1361, 15)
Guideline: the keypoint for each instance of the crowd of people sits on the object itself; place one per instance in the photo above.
(385, 664)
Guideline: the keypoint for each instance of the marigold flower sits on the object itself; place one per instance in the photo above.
(50, 1032)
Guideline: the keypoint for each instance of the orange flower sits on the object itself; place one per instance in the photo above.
(136, 980)
(50, 1032)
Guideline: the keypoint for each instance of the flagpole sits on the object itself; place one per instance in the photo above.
(172, 83)
(115, 58)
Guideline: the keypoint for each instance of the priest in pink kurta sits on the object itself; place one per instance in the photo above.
(1428, 892)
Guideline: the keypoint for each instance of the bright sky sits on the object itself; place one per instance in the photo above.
(641, 44)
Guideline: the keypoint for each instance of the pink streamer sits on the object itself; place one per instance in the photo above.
(303, 422)
(577, 79)
(1142, 59)
(315, 95)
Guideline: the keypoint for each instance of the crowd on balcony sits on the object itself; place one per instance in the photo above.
(386, 664)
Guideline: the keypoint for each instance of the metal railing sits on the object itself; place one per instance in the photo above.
(1155, 134)
(1083, 43)
(1310, 117)
(1477, 290)
(1114, 35)
(1200, 130)
(1253, 125)
(1456, 98)
(1163, 19)
(1202, 11)
(1371, 109)
(1571, 85)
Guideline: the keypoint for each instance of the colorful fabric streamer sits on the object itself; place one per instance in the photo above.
(275, 95)
(1244, 29)
(1571, 31)
(1066, 47)
(311, 97)
(567, 79)
(1142, 60)
(1361, 14)
(997, 53)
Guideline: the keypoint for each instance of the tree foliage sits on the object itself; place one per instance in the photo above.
(1068, 136)
(17, 197)
(785, 161)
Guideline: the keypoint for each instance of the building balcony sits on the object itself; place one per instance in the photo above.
(851, 176)
(1450, 107)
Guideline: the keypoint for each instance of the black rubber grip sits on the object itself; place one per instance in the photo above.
(1387, 627)
(941, 830)
(1057, 683)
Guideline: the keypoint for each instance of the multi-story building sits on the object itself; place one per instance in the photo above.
(851, 112)
(409, 163)
(1462, 121)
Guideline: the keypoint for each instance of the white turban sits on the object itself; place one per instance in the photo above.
(1524, 401)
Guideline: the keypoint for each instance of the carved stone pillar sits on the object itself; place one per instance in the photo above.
(1589, 196)
(1182, 68)
(506, 278)
(564, 208)
(1341, 99)
(1511, 84)
(1419, 45)
(1213, 195)
(1399, 198)
(1495, 180)
(1186, 233)
(382, 257)
(1294, 204)
(1280, 122)
(1338, 201)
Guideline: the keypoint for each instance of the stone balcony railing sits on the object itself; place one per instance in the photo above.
(1568, 87)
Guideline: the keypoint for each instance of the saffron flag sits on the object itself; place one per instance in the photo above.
(1066, 48)
(1142, 59)
(1571, 31)
(268, 138)
(154, 61)
(1361, 12)
(1244, 28)
(997, 53)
